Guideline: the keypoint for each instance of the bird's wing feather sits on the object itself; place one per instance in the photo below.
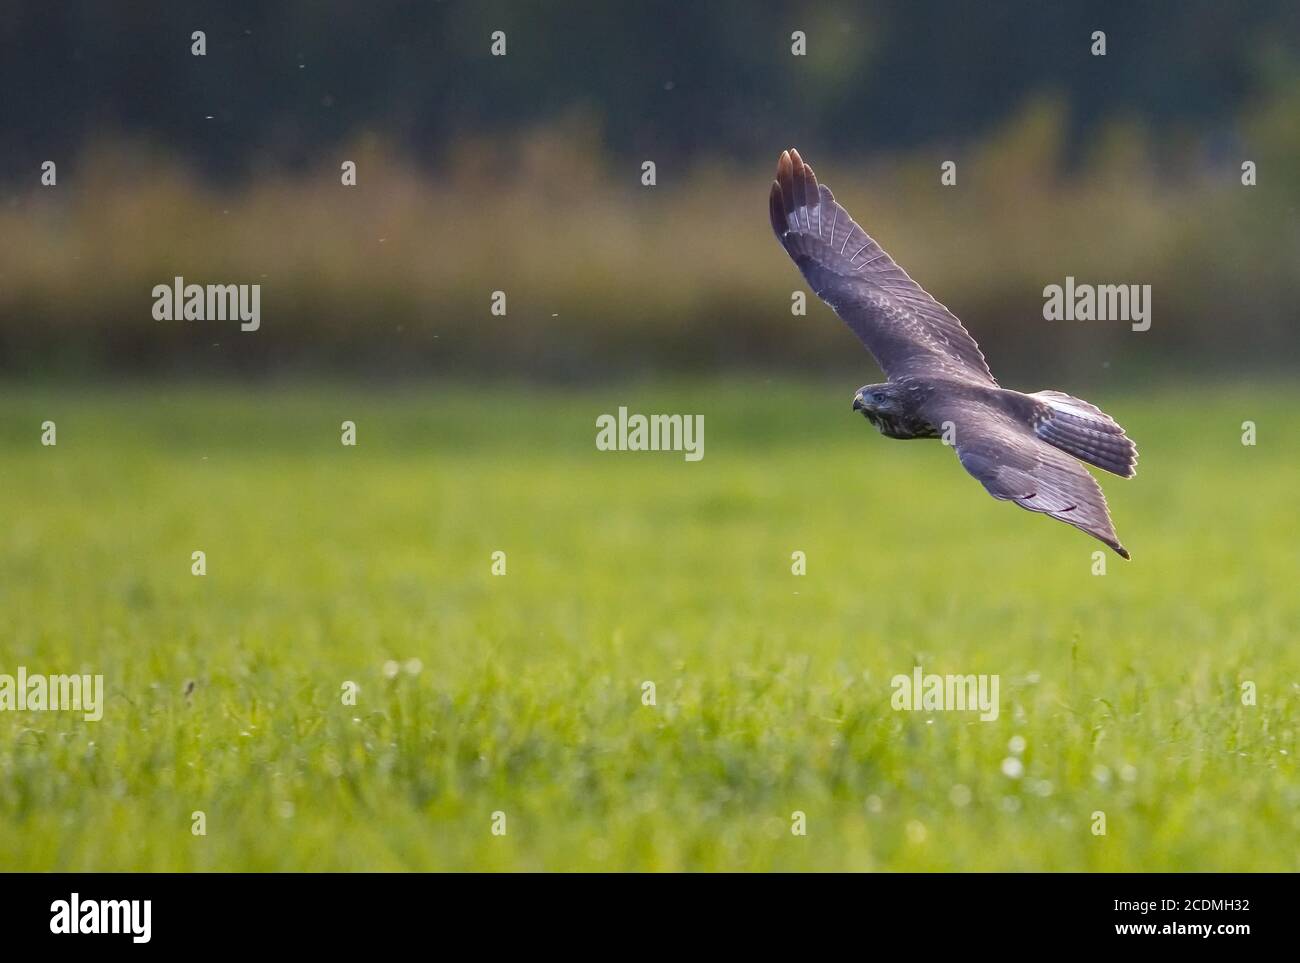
(1014, 464)
(906, 330)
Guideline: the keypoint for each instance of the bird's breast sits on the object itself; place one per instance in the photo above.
(901, 426)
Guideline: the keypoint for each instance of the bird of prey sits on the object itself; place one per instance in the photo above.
(1021, 447)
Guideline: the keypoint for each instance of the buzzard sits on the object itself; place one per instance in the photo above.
(1021, 447)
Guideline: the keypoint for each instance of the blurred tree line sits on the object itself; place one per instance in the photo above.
(283, 82)
(521, 174)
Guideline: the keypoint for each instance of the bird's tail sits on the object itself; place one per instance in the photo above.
(1084, 431)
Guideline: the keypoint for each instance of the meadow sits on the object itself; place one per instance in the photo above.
(522, 693)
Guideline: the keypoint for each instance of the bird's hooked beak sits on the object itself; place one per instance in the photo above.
(857, 402)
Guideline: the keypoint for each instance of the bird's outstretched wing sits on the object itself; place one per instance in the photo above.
(1014, 464)
(907, 331)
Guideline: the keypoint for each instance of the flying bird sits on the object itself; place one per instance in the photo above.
(1021, 447)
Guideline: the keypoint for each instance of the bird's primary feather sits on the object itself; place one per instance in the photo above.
(906, 330)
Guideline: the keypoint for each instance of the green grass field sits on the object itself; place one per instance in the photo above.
(326, 562)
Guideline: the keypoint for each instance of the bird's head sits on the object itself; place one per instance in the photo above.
(875, 400)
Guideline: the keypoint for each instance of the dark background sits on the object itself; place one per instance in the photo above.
(522, 174)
